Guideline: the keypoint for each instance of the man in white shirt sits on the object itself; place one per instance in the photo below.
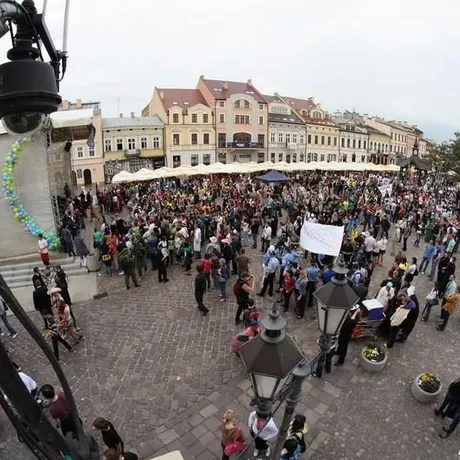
(29, 383)
(266, 237)
(369, 244)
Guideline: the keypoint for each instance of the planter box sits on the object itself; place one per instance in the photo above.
(422, 395)
(372, 366)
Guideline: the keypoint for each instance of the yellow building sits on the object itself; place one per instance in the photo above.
(87, 155)
(379, 146)
(132, 143)
(189, 126)
(322, 133)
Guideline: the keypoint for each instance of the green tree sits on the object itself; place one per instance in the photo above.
(446, 156)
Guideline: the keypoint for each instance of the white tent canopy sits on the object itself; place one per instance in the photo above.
(247, 168)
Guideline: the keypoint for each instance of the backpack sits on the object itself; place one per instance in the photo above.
(236, 289)
(416, 272)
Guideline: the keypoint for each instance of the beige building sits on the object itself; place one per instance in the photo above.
(354, 138)
(189, 126)
(286, 132)
(240, 119)
(379, 147)
(132, 143)
(87, 155)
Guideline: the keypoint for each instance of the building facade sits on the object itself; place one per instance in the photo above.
(189, 126)
(240, 119)
(322, 134)
(286, 132)
(132, 143)
(379, 147)
(354, 138)
(87, 155)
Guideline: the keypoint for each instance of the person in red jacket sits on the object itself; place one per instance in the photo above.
(206, 265)
(287, 290)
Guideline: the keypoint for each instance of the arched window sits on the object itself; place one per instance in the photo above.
(353, 158)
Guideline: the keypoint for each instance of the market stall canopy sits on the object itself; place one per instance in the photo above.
(414, 160)
(123, 176)
(273, 177)
(145, 174)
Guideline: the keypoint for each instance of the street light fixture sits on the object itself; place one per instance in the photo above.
(276, 365)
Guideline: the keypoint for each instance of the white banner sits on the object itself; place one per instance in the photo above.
(386, 188)
(321, 239)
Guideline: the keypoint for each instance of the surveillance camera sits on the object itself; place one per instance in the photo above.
(23, 124)
(28, 92)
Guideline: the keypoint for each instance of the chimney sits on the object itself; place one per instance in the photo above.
(249, 82)
(311, 99)
(318, 105)
(225, 86)
(162, 95)
(121, 115)
(132, 114)
(276, 94)
(65, 105)
(78, 104)
(201, 77)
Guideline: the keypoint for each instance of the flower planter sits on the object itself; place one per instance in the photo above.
(372, 366)
(421, 395)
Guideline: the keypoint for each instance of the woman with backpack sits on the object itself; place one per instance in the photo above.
(295, 442)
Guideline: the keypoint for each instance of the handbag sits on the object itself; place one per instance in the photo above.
(235, 447)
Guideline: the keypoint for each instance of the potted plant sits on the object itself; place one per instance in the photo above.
(426, 387)
(374, 358)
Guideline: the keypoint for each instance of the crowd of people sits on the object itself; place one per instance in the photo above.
(206, 226)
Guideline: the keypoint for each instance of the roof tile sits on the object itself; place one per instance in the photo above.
(222, 89)
(179, 97)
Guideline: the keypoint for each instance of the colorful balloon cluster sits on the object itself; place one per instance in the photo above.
(16, 206)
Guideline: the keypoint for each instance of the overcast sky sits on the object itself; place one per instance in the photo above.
(399, 59)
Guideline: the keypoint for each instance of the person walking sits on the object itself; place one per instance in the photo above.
(431, 300)
(81, 249)
(163, 256)
(427, 255)
(242, 288)
(450, 408)
(224, 275)
(450, 306)
(127, 264)
(62, 282)
(200, 289)
(4, 318)
(68, 241)
(346, 333)
(42, 302)
(232, 437)
(43, 250)
(109, 434)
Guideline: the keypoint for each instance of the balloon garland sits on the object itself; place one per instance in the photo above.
(9, 192)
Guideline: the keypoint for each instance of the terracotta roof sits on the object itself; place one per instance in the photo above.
(320, 121)
(222, 89)
(299, 104)
(177, 97)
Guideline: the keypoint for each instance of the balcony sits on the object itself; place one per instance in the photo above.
(191, 147)
(132, 153)
(244, 145)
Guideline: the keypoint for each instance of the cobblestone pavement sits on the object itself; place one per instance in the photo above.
(164, 375)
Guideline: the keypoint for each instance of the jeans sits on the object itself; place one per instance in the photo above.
(426, 311)
(445, 315)
(223, 289)
(108, 269)
(7, 324)
(424, 264)
(434, 266)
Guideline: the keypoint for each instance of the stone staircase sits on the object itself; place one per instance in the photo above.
(18, 275)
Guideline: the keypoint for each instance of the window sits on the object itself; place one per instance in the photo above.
(323, 140)
(294, 138)
(175, 118)
(316, 140)
(221, 118)
(261, 106)
(348, 143)
(364, 145)
(280, 138)
(261, 139)
(359, 143)
(329, 140)
(237, 104)
(272, 157)
(194, 118)
(335, 142)
(79, 152)
(205, 117)
(370, 145)
(302, 139)
(315, 157)
(354, 143)
(92, 153)
(206, 138)
(288, 158)
(302, 157)
(119, 144)
(194, 159)
(108, 145)
(280, 157)
(309, 139)
(288, 138)
(207, 158)
(246, 119)
(343, 142)
(322, 157)
(246, 105)
(79, 173)
(272, 137)
(221, 103)
(176, 161)
(237, 119)
(194, 139)
(261, 120)
(176, 139)
(143, 143)
(131, 143)
(156, 142)
(221, 139)
(363, 159)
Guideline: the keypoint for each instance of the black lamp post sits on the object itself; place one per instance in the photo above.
(276, 365)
